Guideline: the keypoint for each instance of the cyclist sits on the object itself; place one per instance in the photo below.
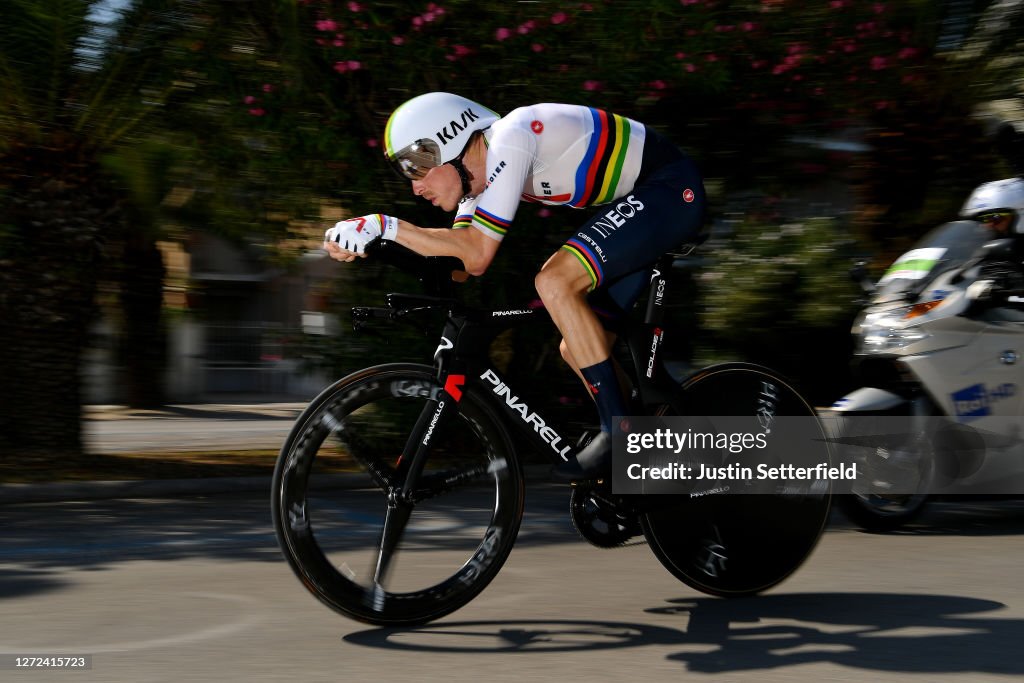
(648, 197)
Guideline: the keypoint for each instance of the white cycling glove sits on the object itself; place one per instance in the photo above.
(355, 233)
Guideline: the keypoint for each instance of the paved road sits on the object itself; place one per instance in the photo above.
(193, 589)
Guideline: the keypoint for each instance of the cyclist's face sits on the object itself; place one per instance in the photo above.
(441, 186)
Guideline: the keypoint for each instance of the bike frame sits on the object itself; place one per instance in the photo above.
(462, 365)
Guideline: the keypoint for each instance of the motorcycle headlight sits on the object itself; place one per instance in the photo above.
(888, 332)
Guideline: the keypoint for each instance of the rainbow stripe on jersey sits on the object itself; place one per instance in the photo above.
(597, 176)
(496, 226)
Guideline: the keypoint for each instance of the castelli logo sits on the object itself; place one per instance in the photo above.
(688, 195)
(537, 127)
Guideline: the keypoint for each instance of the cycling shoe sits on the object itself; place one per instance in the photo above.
(592, 462)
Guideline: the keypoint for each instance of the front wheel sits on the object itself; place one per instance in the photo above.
(335, 499)
(897, 476)
(735, 544)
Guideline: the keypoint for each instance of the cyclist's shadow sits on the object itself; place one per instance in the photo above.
(880, 631)
(884, 632)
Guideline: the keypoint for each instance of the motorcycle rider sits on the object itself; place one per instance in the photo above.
(462, 156)
(999, 206)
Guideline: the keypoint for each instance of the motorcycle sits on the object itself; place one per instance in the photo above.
(939, 354)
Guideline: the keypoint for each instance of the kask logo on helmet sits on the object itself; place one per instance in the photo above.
(445, 136)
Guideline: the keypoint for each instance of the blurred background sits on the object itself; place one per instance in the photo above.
(168, 167)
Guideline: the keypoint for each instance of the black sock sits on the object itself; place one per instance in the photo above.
(604, 384)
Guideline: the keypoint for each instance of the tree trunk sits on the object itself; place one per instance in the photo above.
(54, 208)
(144, 339)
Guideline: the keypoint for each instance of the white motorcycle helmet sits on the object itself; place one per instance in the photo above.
(431, 130)
(996, 200)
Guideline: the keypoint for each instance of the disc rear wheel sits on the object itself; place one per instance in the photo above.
(728, 543)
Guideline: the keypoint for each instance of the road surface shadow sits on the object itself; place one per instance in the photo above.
(874, 631)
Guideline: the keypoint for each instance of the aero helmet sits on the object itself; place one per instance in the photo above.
(995, 200)
(431, 130)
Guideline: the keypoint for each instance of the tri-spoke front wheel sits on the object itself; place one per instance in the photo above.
(354, 540)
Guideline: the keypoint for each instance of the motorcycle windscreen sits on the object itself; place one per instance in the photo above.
(947, 246)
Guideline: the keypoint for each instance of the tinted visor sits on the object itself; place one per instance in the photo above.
(993, 216)
(414, 161)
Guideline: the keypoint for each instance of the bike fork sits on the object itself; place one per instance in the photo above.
(402, 492)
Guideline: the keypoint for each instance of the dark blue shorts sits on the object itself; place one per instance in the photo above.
(622, 241)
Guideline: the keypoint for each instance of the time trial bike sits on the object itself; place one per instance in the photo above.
(420, 459)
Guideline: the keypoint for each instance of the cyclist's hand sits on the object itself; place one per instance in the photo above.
(348, 239)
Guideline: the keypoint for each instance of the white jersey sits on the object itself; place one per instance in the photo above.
(555, 154)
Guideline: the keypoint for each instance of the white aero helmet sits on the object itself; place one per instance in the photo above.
(995, 200)
(431, 130)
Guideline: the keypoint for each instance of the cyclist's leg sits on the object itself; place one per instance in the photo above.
(621, 239)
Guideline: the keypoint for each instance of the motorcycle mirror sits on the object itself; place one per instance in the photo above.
(859, 274)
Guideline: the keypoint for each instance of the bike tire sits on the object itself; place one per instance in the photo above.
(328, 502)
(735, 545)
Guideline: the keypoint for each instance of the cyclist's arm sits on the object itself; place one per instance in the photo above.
(473, 248)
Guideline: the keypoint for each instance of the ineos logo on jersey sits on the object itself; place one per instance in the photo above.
(537, 127)
(456, 127)
(688, 195)
(616, 218)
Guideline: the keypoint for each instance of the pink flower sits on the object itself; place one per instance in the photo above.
(878, 63)
(712, 58)
(680, 55)
(338, 42)
(248, 99)
(398, 40)
(268, 88)
(502, 34)
(690, 68)
(257, 112)
(908, 53)
(461, 50)
(879, 8)
(372, 142)
(836, 4)
(417, 21)
(526, 27)
(748, 26)
(592, 85)
(326, 25)
(537, 47)
(355, 7)
(340, 67)
(659, 85)
(558, 18)
(353, 65)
